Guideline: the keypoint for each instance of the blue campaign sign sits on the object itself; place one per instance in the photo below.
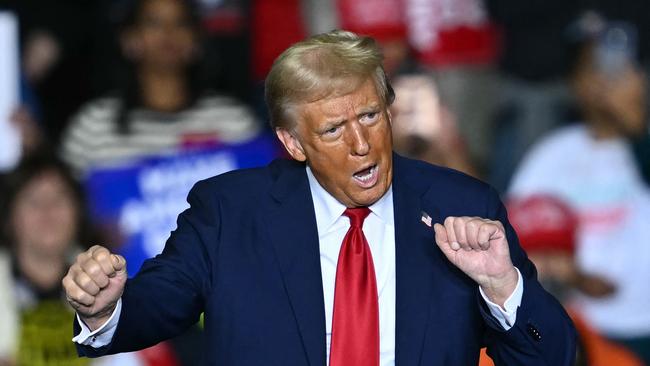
(138, 202)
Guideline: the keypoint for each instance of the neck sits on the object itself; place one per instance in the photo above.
(602, 128)
(163, 90)
(44, 270)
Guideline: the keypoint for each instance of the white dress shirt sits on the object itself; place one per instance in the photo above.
(379, 229)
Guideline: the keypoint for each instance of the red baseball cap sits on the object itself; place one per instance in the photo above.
(543, 223)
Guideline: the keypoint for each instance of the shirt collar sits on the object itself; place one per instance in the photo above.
(328, 209)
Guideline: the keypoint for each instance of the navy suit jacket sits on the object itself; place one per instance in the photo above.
(246, 253)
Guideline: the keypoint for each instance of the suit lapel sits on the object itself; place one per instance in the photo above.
(293, 233)
(416, 255)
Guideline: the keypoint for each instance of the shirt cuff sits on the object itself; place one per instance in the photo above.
(506, 317)
(101, 336)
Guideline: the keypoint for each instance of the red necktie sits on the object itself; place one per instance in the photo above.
(355, 324)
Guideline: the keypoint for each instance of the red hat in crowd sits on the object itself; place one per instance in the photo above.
(383, 20)
(543, 223)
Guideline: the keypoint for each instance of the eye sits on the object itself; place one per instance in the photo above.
(332, 130)
(370, 117)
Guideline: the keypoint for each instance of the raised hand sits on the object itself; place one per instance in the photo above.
(479, 248)
(94, 284)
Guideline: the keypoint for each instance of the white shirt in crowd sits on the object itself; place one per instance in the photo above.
(600, 180)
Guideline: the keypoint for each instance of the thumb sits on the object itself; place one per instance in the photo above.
(119, 263)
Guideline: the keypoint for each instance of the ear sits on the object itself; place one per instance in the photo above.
(291, 144)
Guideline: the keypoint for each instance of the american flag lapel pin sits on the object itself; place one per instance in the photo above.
(426, 219)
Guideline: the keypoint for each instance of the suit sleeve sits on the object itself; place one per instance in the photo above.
(168, 294)
(543, 333)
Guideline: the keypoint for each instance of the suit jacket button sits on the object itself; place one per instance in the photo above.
(533, 332)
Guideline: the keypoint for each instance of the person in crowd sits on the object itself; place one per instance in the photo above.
(532, 96)
(287, 272)
(423, 127)
(44, 229)
(162, 104)
(458, 43)
(41, 230)
(590, 165)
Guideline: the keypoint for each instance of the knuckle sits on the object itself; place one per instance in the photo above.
(77, 295)
(74, 271)
(81, 257)
(84, 281)
(101, 254)
(102, 259)
(95, 248)
(101, 280)
(460, 223)
(65, 282)
(93, 290)
(449, 220)
(94, 270)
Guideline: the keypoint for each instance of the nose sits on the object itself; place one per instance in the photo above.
(359, 139)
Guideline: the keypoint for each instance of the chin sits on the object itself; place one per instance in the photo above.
(371, 196)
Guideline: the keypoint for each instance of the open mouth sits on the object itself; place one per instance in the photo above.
(367, 177)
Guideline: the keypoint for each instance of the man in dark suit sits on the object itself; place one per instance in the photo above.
(347, 255)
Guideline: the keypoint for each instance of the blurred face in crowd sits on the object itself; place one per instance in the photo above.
(44, 215)
(556, 271)
(163, 36)
(612, 102)
(395, 53)
(346, 141)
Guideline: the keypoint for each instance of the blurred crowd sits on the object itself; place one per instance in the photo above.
(545, 100)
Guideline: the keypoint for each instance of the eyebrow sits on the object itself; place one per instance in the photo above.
(373, 108)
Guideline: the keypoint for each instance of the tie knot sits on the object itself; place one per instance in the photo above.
(357, 215)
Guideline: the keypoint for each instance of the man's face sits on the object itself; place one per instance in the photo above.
(556, 270)
(346, 141)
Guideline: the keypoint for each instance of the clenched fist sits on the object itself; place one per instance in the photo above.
(94, 284)
(479, 248)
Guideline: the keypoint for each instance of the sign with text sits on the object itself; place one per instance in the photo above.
(137, 203)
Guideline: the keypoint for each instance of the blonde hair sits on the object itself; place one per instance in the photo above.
(323, 65)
